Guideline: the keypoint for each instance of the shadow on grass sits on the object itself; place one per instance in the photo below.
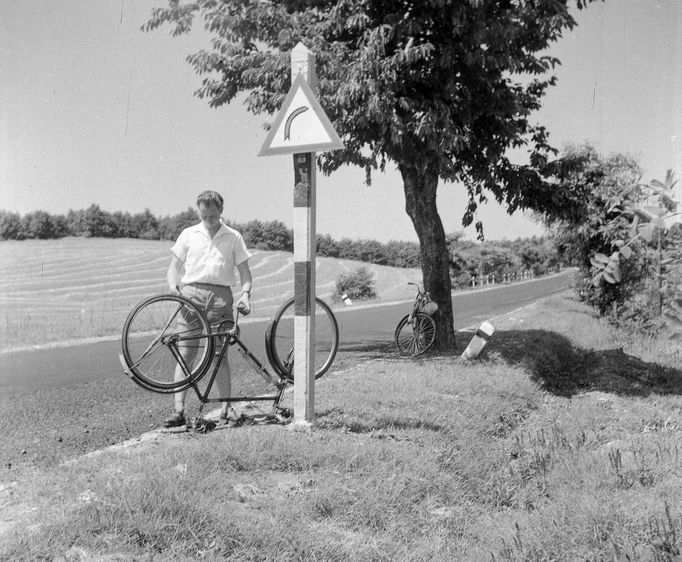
(563, 369)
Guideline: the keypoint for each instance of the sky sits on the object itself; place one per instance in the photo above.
(94, 110)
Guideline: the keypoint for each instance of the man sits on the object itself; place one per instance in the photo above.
(208, 253)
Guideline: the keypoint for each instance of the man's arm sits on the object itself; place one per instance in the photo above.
(174, 275)
(245, 279)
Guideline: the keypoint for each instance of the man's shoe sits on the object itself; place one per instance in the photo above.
(176, 420)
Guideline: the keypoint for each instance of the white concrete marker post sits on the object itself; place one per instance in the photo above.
(477, 343)
(303, 62)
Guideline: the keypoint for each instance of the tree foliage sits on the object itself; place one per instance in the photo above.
(500, 259)
(597, 190)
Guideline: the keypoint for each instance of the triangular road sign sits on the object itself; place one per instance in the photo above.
(301, 125)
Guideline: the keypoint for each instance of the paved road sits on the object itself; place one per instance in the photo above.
(360, 327)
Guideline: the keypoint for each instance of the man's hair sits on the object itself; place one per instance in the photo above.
(210, 197)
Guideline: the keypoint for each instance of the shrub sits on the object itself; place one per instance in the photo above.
(402, 254)
(638, 315)
(10, 226)
(357, 285)
(327, 246)
(269, 235)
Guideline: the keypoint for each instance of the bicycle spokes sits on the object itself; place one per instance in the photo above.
(279, 340)
(415, 334)
(157, 329)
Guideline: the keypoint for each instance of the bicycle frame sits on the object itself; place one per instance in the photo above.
(229, 338)
(419, 302)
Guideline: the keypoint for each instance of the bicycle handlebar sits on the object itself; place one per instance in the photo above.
(237, 312)
(420, 291)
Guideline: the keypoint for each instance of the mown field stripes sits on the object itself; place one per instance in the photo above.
(55, 290)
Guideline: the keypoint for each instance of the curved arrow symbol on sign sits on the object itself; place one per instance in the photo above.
(295, 113)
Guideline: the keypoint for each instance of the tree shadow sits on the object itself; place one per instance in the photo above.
(564, 369)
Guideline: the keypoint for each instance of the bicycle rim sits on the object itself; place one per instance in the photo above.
(415, 337)
(279, 339)
(147, 335)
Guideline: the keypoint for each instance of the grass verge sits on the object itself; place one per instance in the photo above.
(561, 443)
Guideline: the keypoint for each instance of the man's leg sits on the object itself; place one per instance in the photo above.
(178, 417)
(224, 385)
(219, 311)
(188, 323)
(179, 396)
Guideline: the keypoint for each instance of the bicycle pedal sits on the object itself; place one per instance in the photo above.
(202, 425)
(284, 415)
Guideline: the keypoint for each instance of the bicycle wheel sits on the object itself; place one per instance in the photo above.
(279, 339)
(414, 338)
(152, 327)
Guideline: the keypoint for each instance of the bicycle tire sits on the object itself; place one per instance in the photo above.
(147, 329)
(279, 339)
(416, 337)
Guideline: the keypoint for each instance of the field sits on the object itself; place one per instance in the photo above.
(76, 288)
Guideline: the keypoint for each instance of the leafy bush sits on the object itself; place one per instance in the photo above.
(357, 285)
(402, 254)
(10, 226)
(601, 193)
(268, 235)
(654, 244)
(327, 246)
(638, 315)
(609, 298)
(505, 257)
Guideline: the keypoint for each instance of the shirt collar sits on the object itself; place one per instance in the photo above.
(222, 230)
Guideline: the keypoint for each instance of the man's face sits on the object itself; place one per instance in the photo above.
(210, 214)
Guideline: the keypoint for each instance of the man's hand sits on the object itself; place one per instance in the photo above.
(244, 304)
(175, 290)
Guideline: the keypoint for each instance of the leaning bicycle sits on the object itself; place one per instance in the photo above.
(163, 330)
(416, 331)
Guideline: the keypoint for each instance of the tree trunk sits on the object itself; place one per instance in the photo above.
(420, 203)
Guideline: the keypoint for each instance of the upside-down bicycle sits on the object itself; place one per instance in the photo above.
(160, 326)
(416, 331)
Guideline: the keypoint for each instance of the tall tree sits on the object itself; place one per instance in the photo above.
(441, 88)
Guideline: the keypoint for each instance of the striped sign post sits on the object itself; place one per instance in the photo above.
(301, 128)
(304, 288)
(303, 63)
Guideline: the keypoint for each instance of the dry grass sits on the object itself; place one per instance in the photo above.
(556, 445)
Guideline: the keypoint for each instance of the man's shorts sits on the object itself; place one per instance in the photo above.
(214, 300)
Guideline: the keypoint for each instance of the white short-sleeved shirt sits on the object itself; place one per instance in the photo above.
(210, 260)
